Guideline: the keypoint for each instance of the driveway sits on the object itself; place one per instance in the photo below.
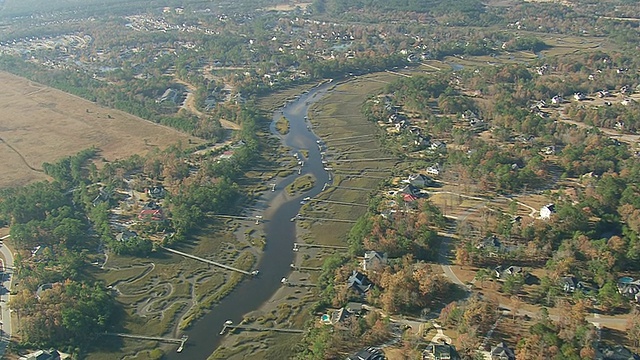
(5, 313)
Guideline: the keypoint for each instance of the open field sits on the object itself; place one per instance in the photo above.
(40, 124)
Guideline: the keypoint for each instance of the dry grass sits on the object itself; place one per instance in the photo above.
(289, 7)
(41, 124)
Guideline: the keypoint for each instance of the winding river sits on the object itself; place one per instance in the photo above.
(280, 233)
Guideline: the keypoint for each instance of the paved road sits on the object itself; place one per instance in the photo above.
(5, 314)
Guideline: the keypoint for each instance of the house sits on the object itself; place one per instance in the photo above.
(579, 96)
(438, 146)
(433, 170)
(542, 69)
(477, 124)
(168, 95)
(126, 235)
(42, 288)
(502, 352)
(151, 212)
(625, 90)
(421, 141)
(546, 211)
(373, 260)
(438, 352)
(410, 190)
(570, 284)
(490, 243)
(339, 316)
(630, 289)
(37, 250)
(627, 101)
(419, 180)
(616, 352)
(355, 308)
(548, 150)
(604, 93)
(156, 192)
(369, 353)
(409, 198)
(501, 272)
(359, 283)
(557, 99)
(103, 195)
(42, 355)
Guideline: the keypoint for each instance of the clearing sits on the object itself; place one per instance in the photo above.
(41, 124)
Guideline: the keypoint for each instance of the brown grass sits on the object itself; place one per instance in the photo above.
(41, 124)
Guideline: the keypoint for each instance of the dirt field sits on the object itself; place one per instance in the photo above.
(40, 124)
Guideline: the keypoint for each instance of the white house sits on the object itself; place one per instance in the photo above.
(419, 180)
(546, 211)
(433, 170)
(557, 99)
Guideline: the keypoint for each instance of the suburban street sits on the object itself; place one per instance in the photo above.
(5, 313)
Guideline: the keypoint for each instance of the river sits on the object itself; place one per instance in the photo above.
(279, 230)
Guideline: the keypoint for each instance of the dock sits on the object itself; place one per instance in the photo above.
(296, 246)
(256, 218)
(253, 273)
(325, 219)
(363, 160)
(338, 202)
(230, 326)
(303, 268)
(180, 341)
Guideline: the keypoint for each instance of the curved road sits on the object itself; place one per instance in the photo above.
(5, 313)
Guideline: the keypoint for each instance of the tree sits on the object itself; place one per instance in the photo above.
(516, 306)
(481, 275)
(513, 284)
(633, 328)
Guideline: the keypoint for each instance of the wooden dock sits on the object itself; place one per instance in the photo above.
(338, 202)
(180, 341)
(324, 219)
(253, 273)
(296, 246)
(232, 327)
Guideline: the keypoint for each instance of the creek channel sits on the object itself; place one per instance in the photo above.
(280, 231)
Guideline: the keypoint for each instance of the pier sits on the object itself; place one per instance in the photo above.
(338, 202)
(297, 246)
(253, 273)
(256, 218)
(364, 160)
(345, 187)
(324, 219)
(229, 325)
(180, 341)
(303, 268)
(350, 137)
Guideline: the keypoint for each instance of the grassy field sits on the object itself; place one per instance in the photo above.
(338, 120)
(41, 124)
(282, 125)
